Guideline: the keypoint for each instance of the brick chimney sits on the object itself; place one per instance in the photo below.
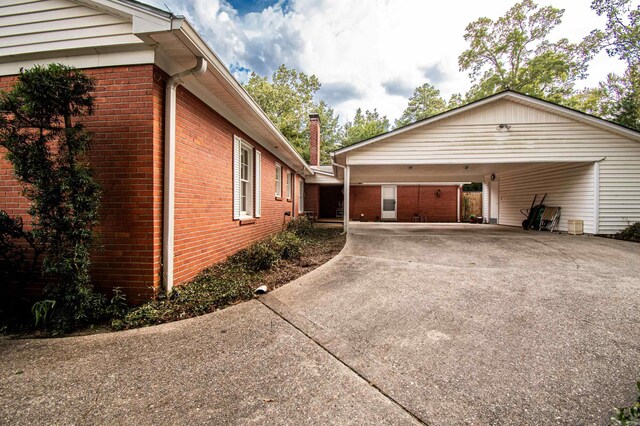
(314, 139)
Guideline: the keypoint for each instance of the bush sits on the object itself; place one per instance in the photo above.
(630, 233)
(628, 416)
(214, 288)
(287, 244)
(45, 141)
(302, 226)
(257, 257)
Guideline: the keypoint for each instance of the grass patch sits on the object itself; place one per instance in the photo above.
(273, 262)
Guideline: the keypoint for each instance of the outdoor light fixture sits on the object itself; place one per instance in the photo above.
(504, 126)
(438, 193)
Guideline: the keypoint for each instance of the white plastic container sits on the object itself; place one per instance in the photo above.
(576, 227)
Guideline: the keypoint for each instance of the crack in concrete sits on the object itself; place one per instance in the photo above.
(267, 301)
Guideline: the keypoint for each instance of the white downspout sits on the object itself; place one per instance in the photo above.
(168, 225)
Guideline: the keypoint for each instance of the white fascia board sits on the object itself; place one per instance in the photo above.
(429, 183)
(109, 56)
(587, 159)
(190, 37)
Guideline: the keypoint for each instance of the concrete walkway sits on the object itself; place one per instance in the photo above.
(409, 324)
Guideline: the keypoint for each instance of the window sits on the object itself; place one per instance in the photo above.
(288, 185)
(246, 180)
(301, 194)
(278, 180)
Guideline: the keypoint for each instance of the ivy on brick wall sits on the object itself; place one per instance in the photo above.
(47, 145)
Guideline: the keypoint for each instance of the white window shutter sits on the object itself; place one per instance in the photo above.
(258, 183)
(236, 177)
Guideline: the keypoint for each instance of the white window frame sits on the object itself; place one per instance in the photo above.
(301, 196)
(248, 211)
(289, 182)
(278, 181)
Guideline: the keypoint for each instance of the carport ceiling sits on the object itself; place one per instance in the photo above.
(435, 173)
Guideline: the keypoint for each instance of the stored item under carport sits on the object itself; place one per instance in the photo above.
(550, 219)
(576, 227)
(534, 214)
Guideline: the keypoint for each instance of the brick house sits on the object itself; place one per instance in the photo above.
(191, 168)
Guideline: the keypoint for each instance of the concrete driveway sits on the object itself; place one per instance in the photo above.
(479, 324)
(435, 324)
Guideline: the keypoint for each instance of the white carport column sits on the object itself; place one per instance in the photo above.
(347, 186)
(458, 203)
(485, 201)
(596, 197)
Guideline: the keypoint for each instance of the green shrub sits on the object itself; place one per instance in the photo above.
(628, 416)
(257, 257)
(287, 244)
(47, 145)
(630, 233)
(302, 226)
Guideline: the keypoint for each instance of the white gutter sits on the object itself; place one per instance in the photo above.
(168, 224)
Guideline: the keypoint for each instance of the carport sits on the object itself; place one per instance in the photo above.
(517, 146)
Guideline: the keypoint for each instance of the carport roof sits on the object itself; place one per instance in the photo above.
(508, 95)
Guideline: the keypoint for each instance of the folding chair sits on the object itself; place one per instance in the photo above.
(550, 219)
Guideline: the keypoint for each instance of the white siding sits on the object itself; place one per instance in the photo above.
(49, 25)
(485, 202)
(569, 186)
(534, 136)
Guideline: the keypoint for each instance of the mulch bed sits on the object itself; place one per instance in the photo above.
(320, 248)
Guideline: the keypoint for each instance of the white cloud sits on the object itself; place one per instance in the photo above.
(366, 53)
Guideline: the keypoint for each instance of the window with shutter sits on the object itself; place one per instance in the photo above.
(258, 182)
(243, 179)
(278, 180)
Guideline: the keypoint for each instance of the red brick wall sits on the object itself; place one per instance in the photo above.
(123, 159)
(424, 201)
(365, 200)
(205, 232)
(411, 200)
(312, 197)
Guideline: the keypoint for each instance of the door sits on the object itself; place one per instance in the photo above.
(389, 202)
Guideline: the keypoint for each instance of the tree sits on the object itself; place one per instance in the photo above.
(621, 38)
(514, 53)
(425, 102)
(288, 99)
(364, 126)
(46, 145)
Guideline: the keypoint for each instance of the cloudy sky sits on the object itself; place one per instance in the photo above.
(366, 53)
